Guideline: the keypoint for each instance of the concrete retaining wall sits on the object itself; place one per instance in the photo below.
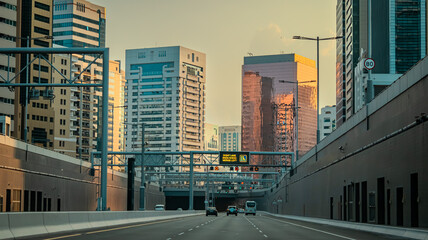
(56, 182)
(15, 225)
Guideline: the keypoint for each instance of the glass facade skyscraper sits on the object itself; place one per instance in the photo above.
(398, 42)
(408, 29)
(269, 103)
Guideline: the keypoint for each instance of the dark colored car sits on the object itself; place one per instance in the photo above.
(232, 210)
(212, 211)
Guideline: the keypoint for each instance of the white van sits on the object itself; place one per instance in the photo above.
(250, 207)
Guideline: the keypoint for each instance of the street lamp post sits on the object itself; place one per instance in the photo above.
(297, 112)
(318, 39)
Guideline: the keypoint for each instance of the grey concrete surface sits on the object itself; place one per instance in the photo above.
(222, 227)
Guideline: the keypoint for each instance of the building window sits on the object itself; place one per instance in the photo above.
(8, 6)
(8, 21)
(42, 6)
(41, 18)
(162, 54)
(16, 200)
(142, 55)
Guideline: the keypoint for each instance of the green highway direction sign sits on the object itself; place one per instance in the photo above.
(234, 158)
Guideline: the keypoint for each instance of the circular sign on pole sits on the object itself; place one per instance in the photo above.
(369, 63)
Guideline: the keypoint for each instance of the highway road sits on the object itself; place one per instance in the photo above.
(223, 227)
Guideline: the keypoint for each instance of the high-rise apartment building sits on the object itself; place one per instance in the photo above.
(34, 26)
(327, 121)
(165, 89)
(269, 103)
(7, 63)
(398, 42)
(341, 92)
(79, 23)
(64, 139)
(230, 138)
(84, 106)
(116, 121)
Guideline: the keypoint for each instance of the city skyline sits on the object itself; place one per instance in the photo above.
(270, 33)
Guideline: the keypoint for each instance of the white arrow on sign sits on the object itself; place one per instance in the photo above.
(369, 63)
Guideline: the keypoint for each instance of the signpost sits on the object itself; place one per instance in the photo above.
(234, 158)
(369, 63)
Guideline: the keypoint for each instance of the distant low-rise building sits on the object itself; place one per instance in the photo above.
(211, 142)
(327, 120)
(230, 138)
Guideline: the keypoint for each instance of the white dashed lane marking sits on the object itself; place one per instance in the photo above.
(260, 231)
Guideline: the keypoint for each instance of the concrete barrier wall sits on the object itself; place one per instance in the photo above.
(16, 225)
(5, 232)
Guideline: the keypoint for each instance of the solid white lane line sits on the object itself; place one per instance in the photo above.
(67, 236)
(265, 235)
(190, 229)
(181, 233)
(197, 226)
(168, 239)
(314, 229)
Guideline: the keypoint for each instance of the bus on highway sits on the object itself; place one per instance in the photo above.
(250, 207)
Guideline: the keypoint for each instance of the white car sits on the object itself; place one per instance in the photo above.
(160, 207)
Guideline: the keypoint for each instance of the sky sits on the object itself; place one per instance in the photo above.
(226, 31)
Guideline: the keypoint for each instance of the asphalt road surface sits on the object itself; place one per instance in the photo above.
(222, 227)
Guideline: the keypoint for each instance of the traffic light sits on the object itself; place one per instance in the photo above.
(231, 168)
(242, 182)
(256, 169)
(216, 168)
(211, 168)
(236, 168)
(251, 169)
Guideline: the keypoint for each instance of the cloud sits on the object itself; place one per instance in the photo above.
(270, 40)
